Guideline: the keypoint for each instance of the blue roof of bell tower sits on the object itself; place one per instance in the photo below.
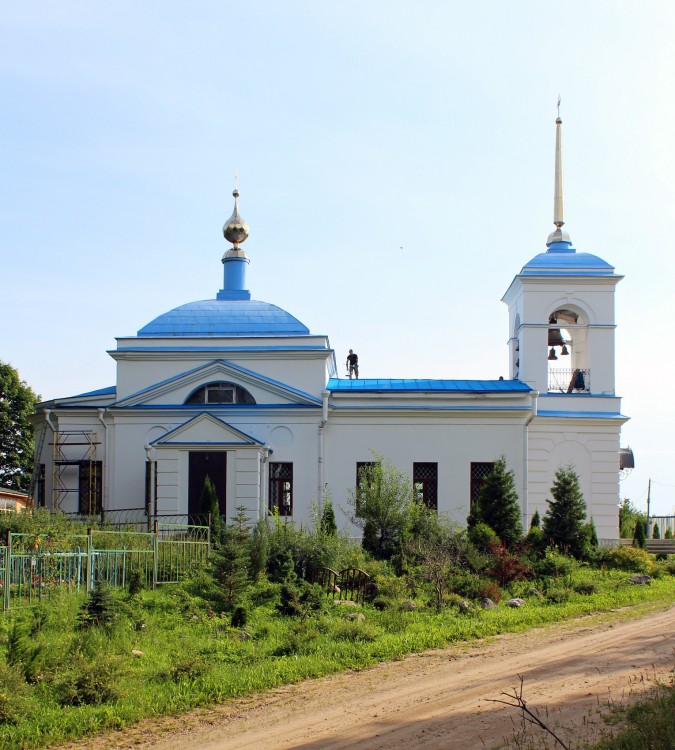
(561, 259)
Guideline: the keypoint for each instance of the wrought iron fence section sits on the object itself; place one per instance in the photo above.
(33, 566)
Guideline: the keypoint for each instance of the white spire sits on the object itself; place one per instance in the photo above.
(558, 235)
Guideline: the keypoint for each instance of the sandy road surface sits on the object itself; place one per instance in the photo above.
(440, 699)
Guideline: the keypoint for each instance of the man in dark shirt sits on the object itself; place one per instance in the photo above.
(353, 364)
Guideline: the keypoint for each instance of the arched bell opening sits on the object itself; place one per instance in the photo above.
(567, 352)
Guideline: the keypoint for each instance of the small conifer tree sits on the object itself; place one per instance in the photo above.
(564, 520)
(535, 523)
(668, 534)
(100, 609)
(328, 525)
(230, 562)
(591, 534)
(640, 535)
(497, 504)
(656, 532)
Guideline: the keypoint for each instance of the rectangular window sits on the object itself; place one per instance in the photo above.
(363, 471)
(479, 471)
(281, 488)
(425, 482)
(363, 476)
(219, 394)
(91, 488)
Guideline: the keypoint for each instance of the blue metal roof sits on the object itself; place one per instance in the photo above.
(377, 385)
(109, 391)
(562, 259)
(215, 317)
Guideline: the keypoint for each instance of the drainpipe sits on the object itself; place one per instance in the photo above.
(104, 478)
(264, 455)
(151, 454)
(526, 500)
(322, 432)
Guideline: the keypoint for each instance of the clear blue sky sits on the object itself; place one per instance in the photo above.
(357, 129)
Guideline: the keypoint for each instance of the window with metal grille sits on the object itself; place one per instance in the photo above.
(425, 482)
(220, 393)
(91, 487)
(281, 488)
(479, 471)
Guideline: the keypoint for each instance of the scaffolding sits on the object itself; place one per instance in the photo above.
(77, 448)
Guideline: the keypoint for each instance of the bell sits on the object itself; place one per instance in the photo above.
(564, 351)
(555, 337)
(552, 354)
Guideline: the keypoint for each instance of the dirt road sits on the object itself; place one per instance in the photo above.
(440, 699)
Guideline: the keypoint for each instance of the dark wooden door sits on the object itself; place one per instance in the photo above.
(203, 464)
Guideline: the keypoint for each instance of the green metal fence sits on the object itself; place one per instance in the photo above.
(33, 566)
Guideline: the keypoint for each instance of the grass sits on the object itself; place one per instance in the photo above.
(167, 652)
(649, 725)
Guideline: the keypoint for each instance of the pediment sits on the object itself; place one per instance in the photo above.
(206, 429)
(175, 390)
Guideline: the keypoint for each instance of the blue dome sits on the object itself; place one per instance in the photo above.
(215, 317)
(562, 260)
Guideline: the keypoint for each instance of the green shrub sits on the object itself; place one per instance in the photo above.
(668, 534)
(558, 595)
(14, 694)
(482, 536)
(535, 523)
(534, 542)
(300, 599)
(555, 564)
(656, 533)
(239, 617)
(89, 682)
(355, 631)
(630, 559)
(300, 640)
(476, 587)
(186, 667)
(586, 588)
(135, 583)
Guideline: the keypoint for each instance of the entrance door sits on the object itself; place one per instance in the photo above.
(203, 464)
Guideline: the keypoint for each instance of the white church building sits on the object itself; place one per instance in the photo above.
(240, 390)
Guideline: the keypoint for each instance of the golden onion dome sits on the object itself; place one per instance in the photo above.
(235, 229)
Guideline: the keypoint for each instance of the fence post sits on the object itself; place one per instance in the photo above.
(155, 546)
(90, 560)
(8, 569)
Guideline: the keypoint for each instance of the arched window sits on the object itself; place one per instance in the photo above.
(567, 351)
(220, 392)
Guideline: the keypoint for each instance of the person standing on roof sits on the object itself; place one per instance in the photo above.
(353, 365)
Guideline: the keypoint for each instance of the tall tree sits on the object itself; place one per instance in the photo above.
(497, 504)
(17, 403)
(564, 519)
